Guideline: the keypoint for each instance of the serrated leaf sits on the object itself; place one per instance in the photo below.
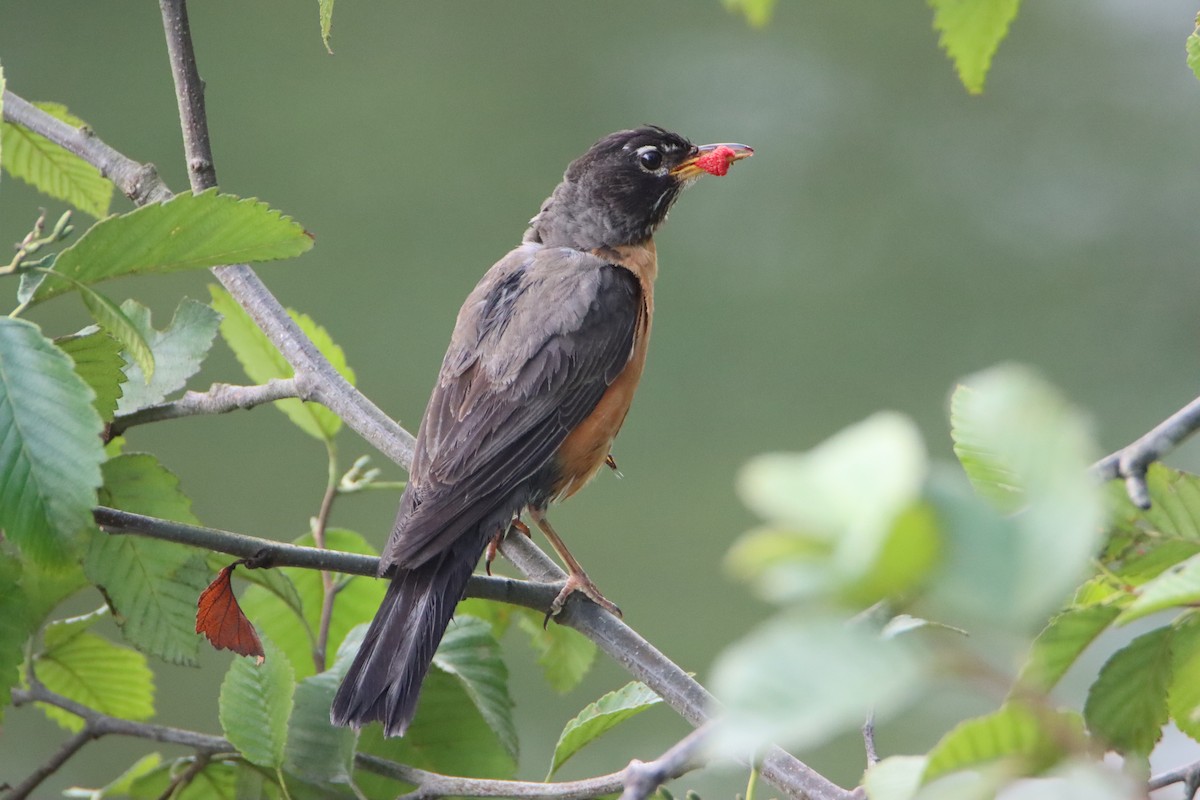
(110, 317)
(317, 751)
(971, 32)
(356, 602)
(152, 584)
(255, 704)
(1060, 643)
(186, 232)
(470, 653)
(50, 449)
(97, 357)
(1031, 740)
(564, 654)
(1177, 586)
(757, 12)
(90, 670)
(1192, 47)
(263, 362)
(807, 703)
(1127, 705)
(16, 625)
(1183, 697)
(53, 170)
(599, 718)
(61, 631)
(179, 350)
(326, 11)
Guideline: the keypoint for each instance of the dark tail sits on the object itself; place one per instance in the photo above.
(385, 679)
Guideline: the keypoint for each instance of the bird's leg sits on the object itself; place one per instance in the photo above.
(494, 544)
(577, 579)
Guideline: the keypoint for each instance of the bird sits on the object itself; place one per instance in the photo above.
(541, 368)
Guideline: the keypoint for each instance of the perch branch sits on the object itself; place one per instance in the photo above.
(642, 779)
(1132, 460)
(221, 398)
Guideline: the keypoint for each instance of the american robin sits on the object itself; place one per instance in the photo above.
(542, 366)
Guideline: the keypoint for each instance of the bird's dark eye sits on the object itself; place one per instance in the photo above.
(651, 158)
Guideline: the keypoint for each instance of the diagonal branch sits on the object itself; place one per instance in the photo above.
(69, 748)
(221, 398)
(1131, 461)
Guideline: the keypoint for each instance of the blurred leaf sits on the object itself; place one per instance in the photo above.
(262, 361)
(1193, 49)
(1127, 705)
(757, 12)
(16, 623)
(255, 704)
(122, 785)
(972, 437)
(50, 449)
(356, 602)
(97, 357)
(971, 32)
(1016, 570)
(1030, 740)
(564, 654)
(152, 584)
(1177, 586)
(834, 513)
(1183, 696)
(53, 170)
(2, 85)
(317, 751)
(179, 350)
(599, 718)
(222, 621)
(470, 653)
(189, 231)
(1078, 779)
(894, 778)
(808, 703)
(1061, 642)
(326, 11)
(90, 670)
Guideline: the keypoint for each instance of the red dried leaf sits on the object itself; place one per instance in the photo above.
(220, 618)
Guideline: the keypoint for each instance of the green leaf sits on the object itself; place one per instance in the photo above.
(808, 703)
(599, 718)
(111, 318)
(1010, 420)
(757, 12)
(564, 654)
(1127, 705)
(470, 653)
(186, 232)
(90, 670)
(273, 580)
(1183, 697)
(317, 751)
(152, 584)
(16, 623)
(179, 350)
(894, 778)
(50, 449)
(122, 785)
(1061, 642)
(836, 511)
(97, 357)
(255, 704)
(1193, 49)
(1030, 740)
(1177, 586)
(263, 362)
(326, 11)
(2, 85)
(52, 170)
(971, 32)
(356, 602)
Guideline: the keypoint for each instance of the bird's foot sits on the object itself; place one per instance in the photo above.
(494, 545)
(580, 582)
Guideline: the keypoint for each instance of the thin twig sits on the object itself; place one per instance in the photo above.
(187, 776)
(642, 779)
(69, 748)
(868, 734)
(328, 587)
(221, 398)
(189, 92)
(1131, 461)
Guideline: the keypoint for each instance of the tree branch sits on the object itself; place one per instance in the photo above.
(642, 779)
(69, 748)
(221, 398)
(1131, 461)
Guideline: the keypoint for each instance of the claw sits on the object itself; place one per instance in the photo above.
(580, 582)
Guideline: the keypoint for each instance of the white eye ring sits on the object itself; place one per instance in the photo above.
(650, 158)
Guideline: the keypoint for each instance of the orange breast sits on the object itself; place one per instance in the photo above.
(585, 449)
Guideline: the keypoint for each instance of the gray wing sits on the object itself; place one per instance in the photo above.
(536, 345)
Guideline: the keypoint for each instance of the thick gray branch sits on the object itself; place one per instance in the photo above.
(220, 398)
(642, 779)
(1131, 461)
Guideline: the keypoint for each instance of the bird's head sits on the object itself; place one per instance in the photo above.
(620, 190)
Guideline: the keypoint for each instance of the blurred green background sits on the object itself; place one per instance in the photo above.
(891, 234)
